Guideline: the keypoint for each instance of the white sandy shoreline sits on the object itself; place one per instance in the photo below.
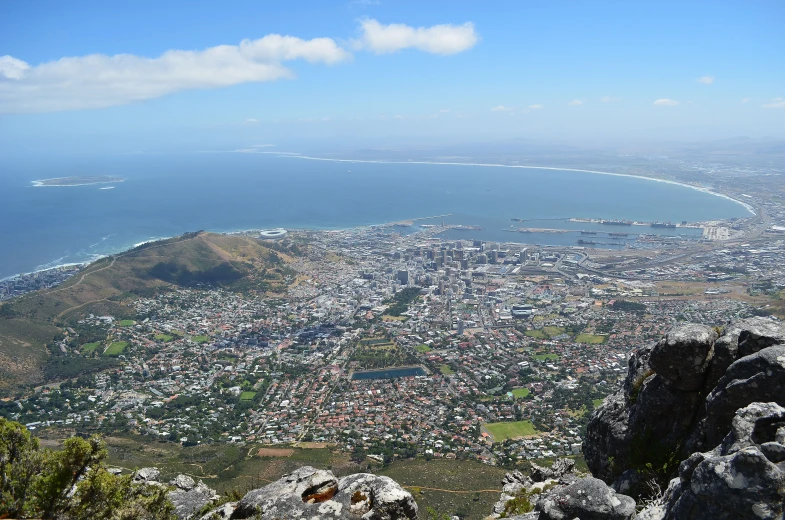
(295, 155)
(40, 183)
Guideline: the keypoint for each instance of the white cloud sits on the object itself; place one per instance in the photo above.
(609, 99)
(437, 39)
(444, 110)
(665, 103)
(98, 80)
(12, 68)
(746, 100)
(706, 80)
(777, 102)
(575, 103)
(251, 120)
(535, 107)
(502, 108)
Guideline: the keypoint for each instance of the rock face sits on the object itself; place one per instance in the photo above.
(646, 413)
(680, 400)
(683, 356)
(757, 377)
(744, 477)
(317, 494)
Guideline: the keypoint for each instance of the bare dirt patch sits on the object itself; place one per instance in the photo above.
(274, 452)
(316, 445)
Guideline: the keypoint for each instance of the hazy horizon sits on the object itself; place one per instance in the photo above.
(96, 77)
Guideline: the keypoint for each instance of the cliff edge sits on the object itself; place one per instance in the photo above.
(699, 415)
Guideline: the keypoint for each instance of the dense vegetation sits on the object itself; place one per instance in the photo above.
(401, 300)
(179, 274)
(71, 484)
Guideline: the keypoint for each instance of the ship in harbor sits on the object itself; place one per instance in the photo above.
(663, 225)
(586, 242)
(616, 222)
(618, 234)
(588, 232)
(462, 227)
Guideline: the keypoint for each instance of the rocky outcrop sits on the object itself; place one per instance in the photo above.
(743, 477)
(556, 493)
(681, 398)
(146, 476)
(317, 494)
(684, 355)
(759, 376)
(558, 469)
(650, 412)
(190, 497)
(586, 499)
(186, 495)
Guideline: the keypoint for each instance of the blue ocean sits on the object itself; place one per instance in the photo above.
(166, 195)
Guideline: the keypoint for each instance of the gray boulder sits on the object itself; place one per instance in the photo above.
(684, 355)
(191, 498)
(183, 482)
(735, 480)
(146, 476)
(311, 493)
(742, 338)
(758, 377)
(516, 477)
(759, 333)
(375, 497)
(559, 468)
(586, 499)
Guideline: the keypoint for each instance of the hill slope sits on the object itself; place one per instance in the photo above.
(28, 323)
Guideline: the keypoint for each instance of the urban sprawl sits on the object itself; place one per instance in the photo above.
(390, 344)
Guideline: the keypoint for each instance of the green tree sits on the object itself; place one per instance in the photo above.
(21, 462)
(71, 484)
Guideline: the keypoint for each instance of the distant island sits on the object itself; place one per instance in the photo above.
(79, 180)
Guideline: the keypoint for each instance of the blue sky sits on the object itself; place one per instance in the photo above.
(385, 73)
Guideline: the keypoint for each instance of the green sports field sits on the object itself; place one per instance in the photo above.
(88, 348)
(116, 348)
(510, 430)
(591, 338)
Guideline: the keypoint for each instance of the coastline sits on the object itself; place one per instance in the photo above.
(295, 155)
(125, 247)
(40, 183)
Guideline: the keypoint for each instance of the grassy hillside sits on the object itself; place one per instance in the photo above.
(106, 287)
